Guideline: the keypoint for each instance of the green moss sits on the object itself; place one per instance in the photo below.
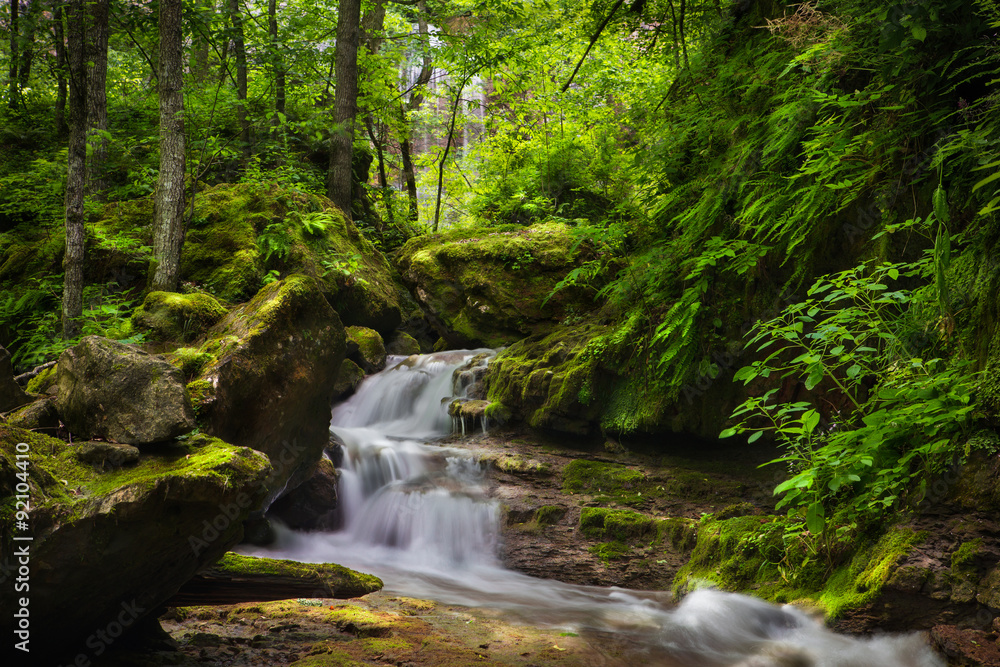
(324, 655)
(492, 286)
(757, 554)
(609, 482)
(177, 317)
(362, 622)
(962, 559)
(618, 525)
(860, 581)
(548, 515)
(609, 551)
(190, 360)
(371, 348)
(681, 534)
(44, 381)
(335, 576)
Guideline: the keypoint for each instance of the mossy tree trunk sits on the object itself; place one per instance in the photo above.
(72, 305)
(97, 96)
(338, 185)
(168, 224)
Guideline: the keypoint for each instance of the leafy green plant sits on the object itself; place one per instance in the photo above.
(276, 240)
(900, 415)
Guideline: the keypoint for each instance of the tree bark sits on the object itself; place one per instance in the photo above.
(28, 25)
(168, 229)
(240, 52)
(200, 46)
(97, 96)
(60, 50)
(416, 99)
(447, 147)
(72, 303)
(338, 185)
(13, 93)
(278, 62)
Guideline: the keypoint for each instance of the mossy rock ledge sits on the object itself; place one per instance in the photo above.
(272, 378)
(111, 546)
(491, 286)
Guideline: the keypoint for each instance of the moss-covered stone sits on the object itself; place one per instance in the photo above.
(402, 344)
(609, 482)
(127, 535)
(44, 382)
(40, 415)
(169, 316)
(119, 392)
(271, 382)
(366, 349)
(492, 286)
(753, 553)
(349, 378)
(551, 382)
(619, 525)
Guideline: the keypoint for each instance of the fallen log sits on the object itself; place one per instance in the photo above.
(236, 579)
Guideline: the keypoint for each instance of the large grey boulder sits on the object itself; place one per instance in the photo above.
(271, 384)
(118, 392)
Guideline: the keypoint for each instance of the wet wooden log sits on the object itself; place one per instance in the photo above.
(237, 579)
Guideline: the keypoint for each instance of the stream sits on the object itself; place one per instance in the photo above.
(417, 515)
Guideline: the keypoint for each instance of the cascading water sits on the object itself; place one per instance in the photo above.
(418, 516)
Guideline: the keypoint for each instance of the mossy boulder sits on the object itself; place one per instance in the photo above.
(40, 415)
(170, 316)
(402, 344)
(271, 383)
(11, 394)
(113, 545)
(492, 286)
(549, 381)
(118, 392)
(348, 379)
(366, 349)
(242, 232)
(106, 454)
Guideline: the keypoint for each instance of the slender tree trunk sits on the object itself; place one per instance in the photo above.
(338, 185)
(447, 147)
(240, 51)
(72, 303)
(416, 99)
(29, 23)
(97, 96)
(168, 224)
(276, 59)
(200, 44)
(60, 49)
(13, 93)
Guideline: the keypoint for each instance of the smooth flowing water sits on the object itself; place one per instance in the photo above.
(417, 515)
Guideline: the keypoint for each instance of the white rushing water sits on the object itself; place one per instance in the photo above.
(417, 515)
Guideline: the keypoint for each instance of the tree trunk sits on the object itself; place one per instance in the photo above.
(240, 51)
(72, 303)
(409, 175)
(13, 93)
(60, 69)
(97, 96)
(201, 44)
(338, 185)
(416, 99)
(447, 147)
(28, 25)
(276, 59)
(168, 229)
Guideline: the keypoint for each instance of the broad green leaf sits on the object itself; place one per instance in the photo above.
(815, 520)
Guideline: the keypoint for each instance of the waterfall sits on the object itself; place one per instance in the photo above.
(417, 514)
